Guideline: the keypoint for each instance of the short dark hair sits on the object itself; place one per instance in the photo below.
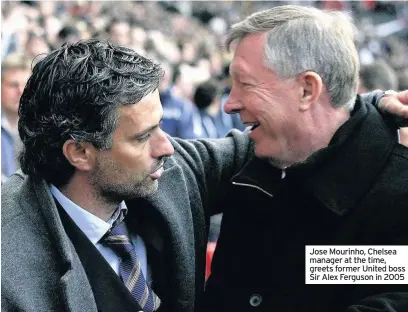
(176, 73)
(205, 93)
(378, 75)
(75, 92)
(68, 31)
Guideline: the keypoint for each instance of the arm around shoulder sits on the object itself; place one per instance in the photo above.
(385, 302)
(213, 161)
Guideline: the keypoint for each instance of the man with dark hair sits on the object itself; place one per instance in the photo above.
(86, 226)
(378, 75)
(206, 93)
(180, 117)
(207, 99)
(69, 34)
(215, 122)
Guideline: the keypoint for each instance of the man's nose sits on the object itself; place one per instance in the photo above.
(232, 105)
(20, 88)
(162, 146)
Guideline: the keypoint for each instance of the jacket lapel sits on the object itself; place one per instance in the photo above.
(171, 239)
(74, 290)
(110, 293)
(144, 226)
(169, 209)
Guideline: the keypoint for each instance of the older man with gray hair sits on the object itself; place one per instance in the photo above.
(328, 170)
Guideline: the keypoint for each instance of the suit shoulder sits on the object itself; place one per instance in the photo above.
(11, 195)
(394, 177)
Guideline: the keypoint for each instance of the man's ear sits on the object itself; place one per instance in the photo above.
(81, 155)
(311, 85)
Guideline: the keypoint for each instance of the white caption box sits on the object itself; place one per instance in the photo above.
(357, 264)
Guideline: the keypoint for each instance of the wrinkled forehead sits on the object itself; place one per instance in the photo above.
(147, 111)
(249, 54)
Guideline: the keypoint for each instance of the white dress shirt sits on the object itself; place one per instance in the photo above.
(95, 228)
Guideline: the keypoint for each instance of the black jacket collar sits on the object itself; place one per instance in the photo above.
(341, 174)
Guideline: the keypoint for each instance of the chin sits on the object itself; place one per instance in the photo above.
(140, 191)
(150, 189)
(262, 152)
(155, 186)
(273, 159)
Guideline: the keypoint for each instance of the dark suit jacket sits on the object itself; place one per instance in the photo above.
(42, 269)
(109, 291)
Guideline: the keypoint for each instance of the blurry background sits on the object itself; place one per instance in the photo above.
(187, 38)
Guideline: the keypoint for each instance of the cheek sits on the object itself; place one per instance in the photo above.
(8, 93)
(253, 104)
(275, 114)
(129, 156)
(261, 100)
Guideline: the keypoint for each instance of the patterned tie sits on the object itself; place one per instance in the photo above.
(129, 268)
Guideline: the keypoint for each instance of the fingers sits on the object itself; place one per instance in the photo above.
(403, 98)
(396, 105)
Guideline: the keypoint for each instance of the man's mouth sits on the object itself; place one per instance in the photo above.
(156, 174)
(253, 125)
(161, 165)
(158, 167)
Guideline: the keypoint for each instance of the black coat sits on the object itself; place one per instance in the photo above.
(355, 192)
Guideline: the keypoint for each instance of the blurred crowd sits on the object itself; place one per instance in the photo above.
(187, 38)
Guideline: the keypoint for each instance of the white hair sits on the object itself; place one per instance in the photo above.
(300, 39)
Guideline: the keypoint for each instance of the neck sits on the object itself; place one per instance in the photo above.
(82, 193)
(317, 130)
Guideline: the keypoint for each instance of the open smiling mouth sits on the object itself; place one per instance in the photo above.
(253, 125)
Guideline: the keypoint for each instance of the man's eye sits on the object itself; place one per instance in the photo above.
(144, 137)
(245, 84)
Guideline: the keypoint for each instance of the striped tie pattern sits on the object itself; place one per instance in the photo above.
(130, 269)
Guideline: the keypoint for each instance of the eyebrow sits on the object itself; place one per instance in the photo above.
(151, 128)
(240, 73)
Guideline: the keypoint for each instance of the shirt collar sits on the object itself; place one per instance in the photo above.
(92, 226)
